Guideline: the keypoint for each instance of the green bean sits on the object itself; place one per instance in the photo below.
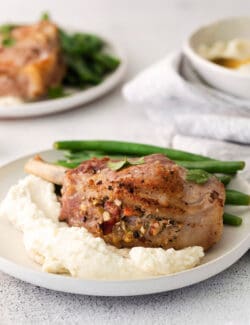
(79, 44)
(82, 71)
(108, 62)
(56, 92)
(86, 62)
(232, 220)
(97, 68)
(214, 166)
(72, 79)
(87, 44)
(127, 148)
(237, 198)
(225, 179)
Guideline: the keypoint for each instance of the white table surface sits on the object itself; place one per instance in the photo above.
(146, 30)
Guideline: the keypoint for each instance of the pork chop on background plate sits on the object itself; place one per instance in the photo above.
(30, 60)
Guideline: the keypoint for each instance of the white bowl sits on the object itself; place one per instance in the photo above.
(217, 76)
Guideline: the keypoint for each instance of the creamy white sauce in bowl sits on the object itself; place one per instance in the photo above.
(32, 207)
(236, 50)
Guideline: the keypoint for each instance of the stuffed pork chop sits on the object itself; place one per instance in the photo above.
(30, 60)
(150, 204)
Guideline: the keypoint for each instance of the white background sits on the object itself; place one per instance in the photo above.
(146, 30)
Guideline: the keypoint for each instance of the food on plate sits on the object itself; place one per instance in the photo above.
(44, 61)
(32, 206)
(148, 204)
(30, 60)
(87, 59)
(109, 217)
(233, 54)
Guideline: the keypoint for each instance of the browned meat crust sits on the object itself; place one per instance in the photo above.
(149, 205)
(33, 63)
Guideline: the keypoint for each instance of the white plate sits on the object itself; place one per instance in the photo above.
(15, 262)
(44, 107)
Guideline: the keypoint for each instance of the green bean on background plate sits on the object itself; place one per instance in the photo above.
(85, 55)
(87, 63)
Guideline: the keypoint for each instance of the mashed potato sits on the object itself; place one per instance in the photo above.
(32, 207)
(10, 101)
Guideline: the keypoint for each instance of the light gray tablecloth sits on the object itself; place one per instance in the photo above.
(223, 299)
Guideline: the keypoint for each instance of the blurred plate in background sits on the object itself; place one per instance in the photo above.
(76, 99)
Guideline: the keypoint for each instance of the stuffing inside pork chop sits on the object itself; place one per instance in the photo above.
(150, 204)
(31, 61)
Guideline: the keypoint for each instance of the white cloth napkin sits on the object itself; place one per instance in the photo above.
(178, 101)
